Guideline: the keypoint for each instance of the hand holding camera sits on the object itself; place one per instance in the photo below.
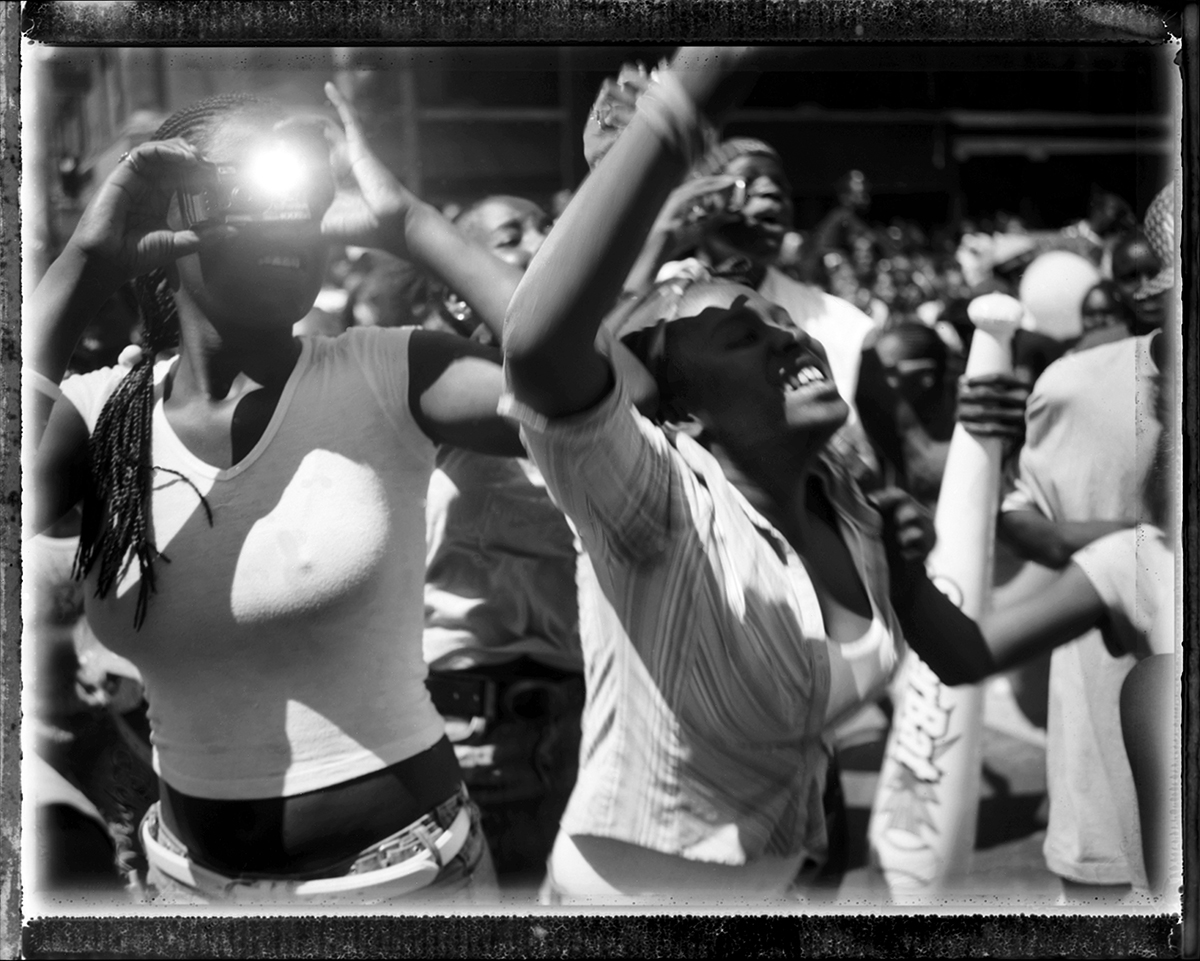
(124, 231)
(698, 207)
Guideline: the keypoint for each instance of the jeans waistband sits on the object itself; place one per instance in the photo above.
(405, 861)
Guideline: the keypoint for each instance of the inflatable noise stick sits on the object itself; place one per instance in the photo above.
(922, 827)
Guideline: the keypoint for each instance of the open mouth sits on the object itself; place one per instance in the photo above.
(806, 379)
(767, 225)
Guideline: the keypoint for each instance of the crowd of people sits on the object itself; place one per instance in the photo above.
(413, 555)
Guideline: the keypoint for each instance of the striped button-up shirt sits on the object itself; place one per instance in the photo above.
(707, 663)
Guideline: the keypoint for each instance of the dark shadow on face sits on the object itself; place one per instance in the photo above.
(739, 365)
(1105, 306)
(1134, 263)
(268, 274)
(915, 359)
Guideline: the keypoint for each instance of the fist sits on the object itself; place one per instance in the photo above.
(993, 406)
(908, 533)
(613, 109)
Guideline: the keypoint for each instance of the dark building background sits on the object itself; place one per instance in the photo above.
(941, 132)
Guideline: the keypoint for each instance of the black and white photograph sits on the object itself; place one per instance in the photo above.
(579, 482)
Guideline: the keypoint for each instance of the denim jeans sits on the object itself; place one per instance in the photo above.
(519, 769)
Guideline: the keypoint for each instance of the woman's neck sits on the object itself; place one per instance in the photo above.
(217, 360)
(778, 472)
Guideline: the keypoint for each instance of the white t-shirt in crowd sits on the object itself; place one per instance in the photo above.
(1090, 440)
(1133, 571)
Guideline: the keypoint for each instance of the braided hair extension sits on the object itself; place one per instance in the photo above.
(116, 525)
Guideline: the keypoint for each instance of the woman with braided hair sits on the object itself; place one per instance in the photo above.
(253, 534)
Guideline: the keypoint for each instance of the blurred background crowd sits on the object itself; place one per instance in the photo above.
(918, 175)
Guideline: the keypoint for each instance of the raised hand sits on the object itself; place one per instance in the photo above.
(124, 230)
(612, 110)
(371, 206)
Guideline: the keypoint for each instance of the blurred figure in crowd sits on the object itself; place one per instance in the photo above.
(392, 293)
(501, 615)
(1106, 316)
(841, 228)
(1143, 277)
(1089, 447)
(1051, 288)
(1109, 216)
(917, 363)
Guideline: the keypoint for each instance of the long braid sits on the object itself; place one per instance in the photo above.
(116, 525)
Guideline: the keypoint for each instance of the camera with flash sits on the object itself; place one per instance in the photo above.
(285, 181)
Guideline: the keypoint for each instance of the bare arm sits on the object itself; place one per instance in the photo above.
(60, 468)
(454, 392)
(961, 651)
(384, 213)
(1147, 721)
(1037, 538)
(123, 233)
(578, 273)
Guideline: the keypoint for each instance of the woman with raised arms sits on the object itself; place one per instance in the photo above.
(719, 646)
(253, 533)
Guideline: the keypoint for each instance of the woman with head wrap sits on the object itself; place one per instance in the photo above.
(719, 645)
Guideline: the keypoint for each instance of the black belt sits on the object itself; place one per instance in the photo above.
(463, 694)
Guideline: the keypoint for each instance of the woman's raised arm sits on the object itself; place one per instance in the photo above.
(384, 213)
(122, 234)
(577, 275)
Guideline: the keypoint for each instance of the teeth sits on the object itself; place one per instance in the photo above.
(291, 262)
(801, 378)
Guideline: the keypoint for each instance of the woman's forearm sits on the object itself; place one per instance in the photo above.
(483, 280)
(1051, 543)
(69, 295)
(952, 644)
(962, 651)
(580, 270)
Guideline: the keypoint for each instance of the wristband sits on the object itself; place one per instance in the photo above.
(41, 383)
